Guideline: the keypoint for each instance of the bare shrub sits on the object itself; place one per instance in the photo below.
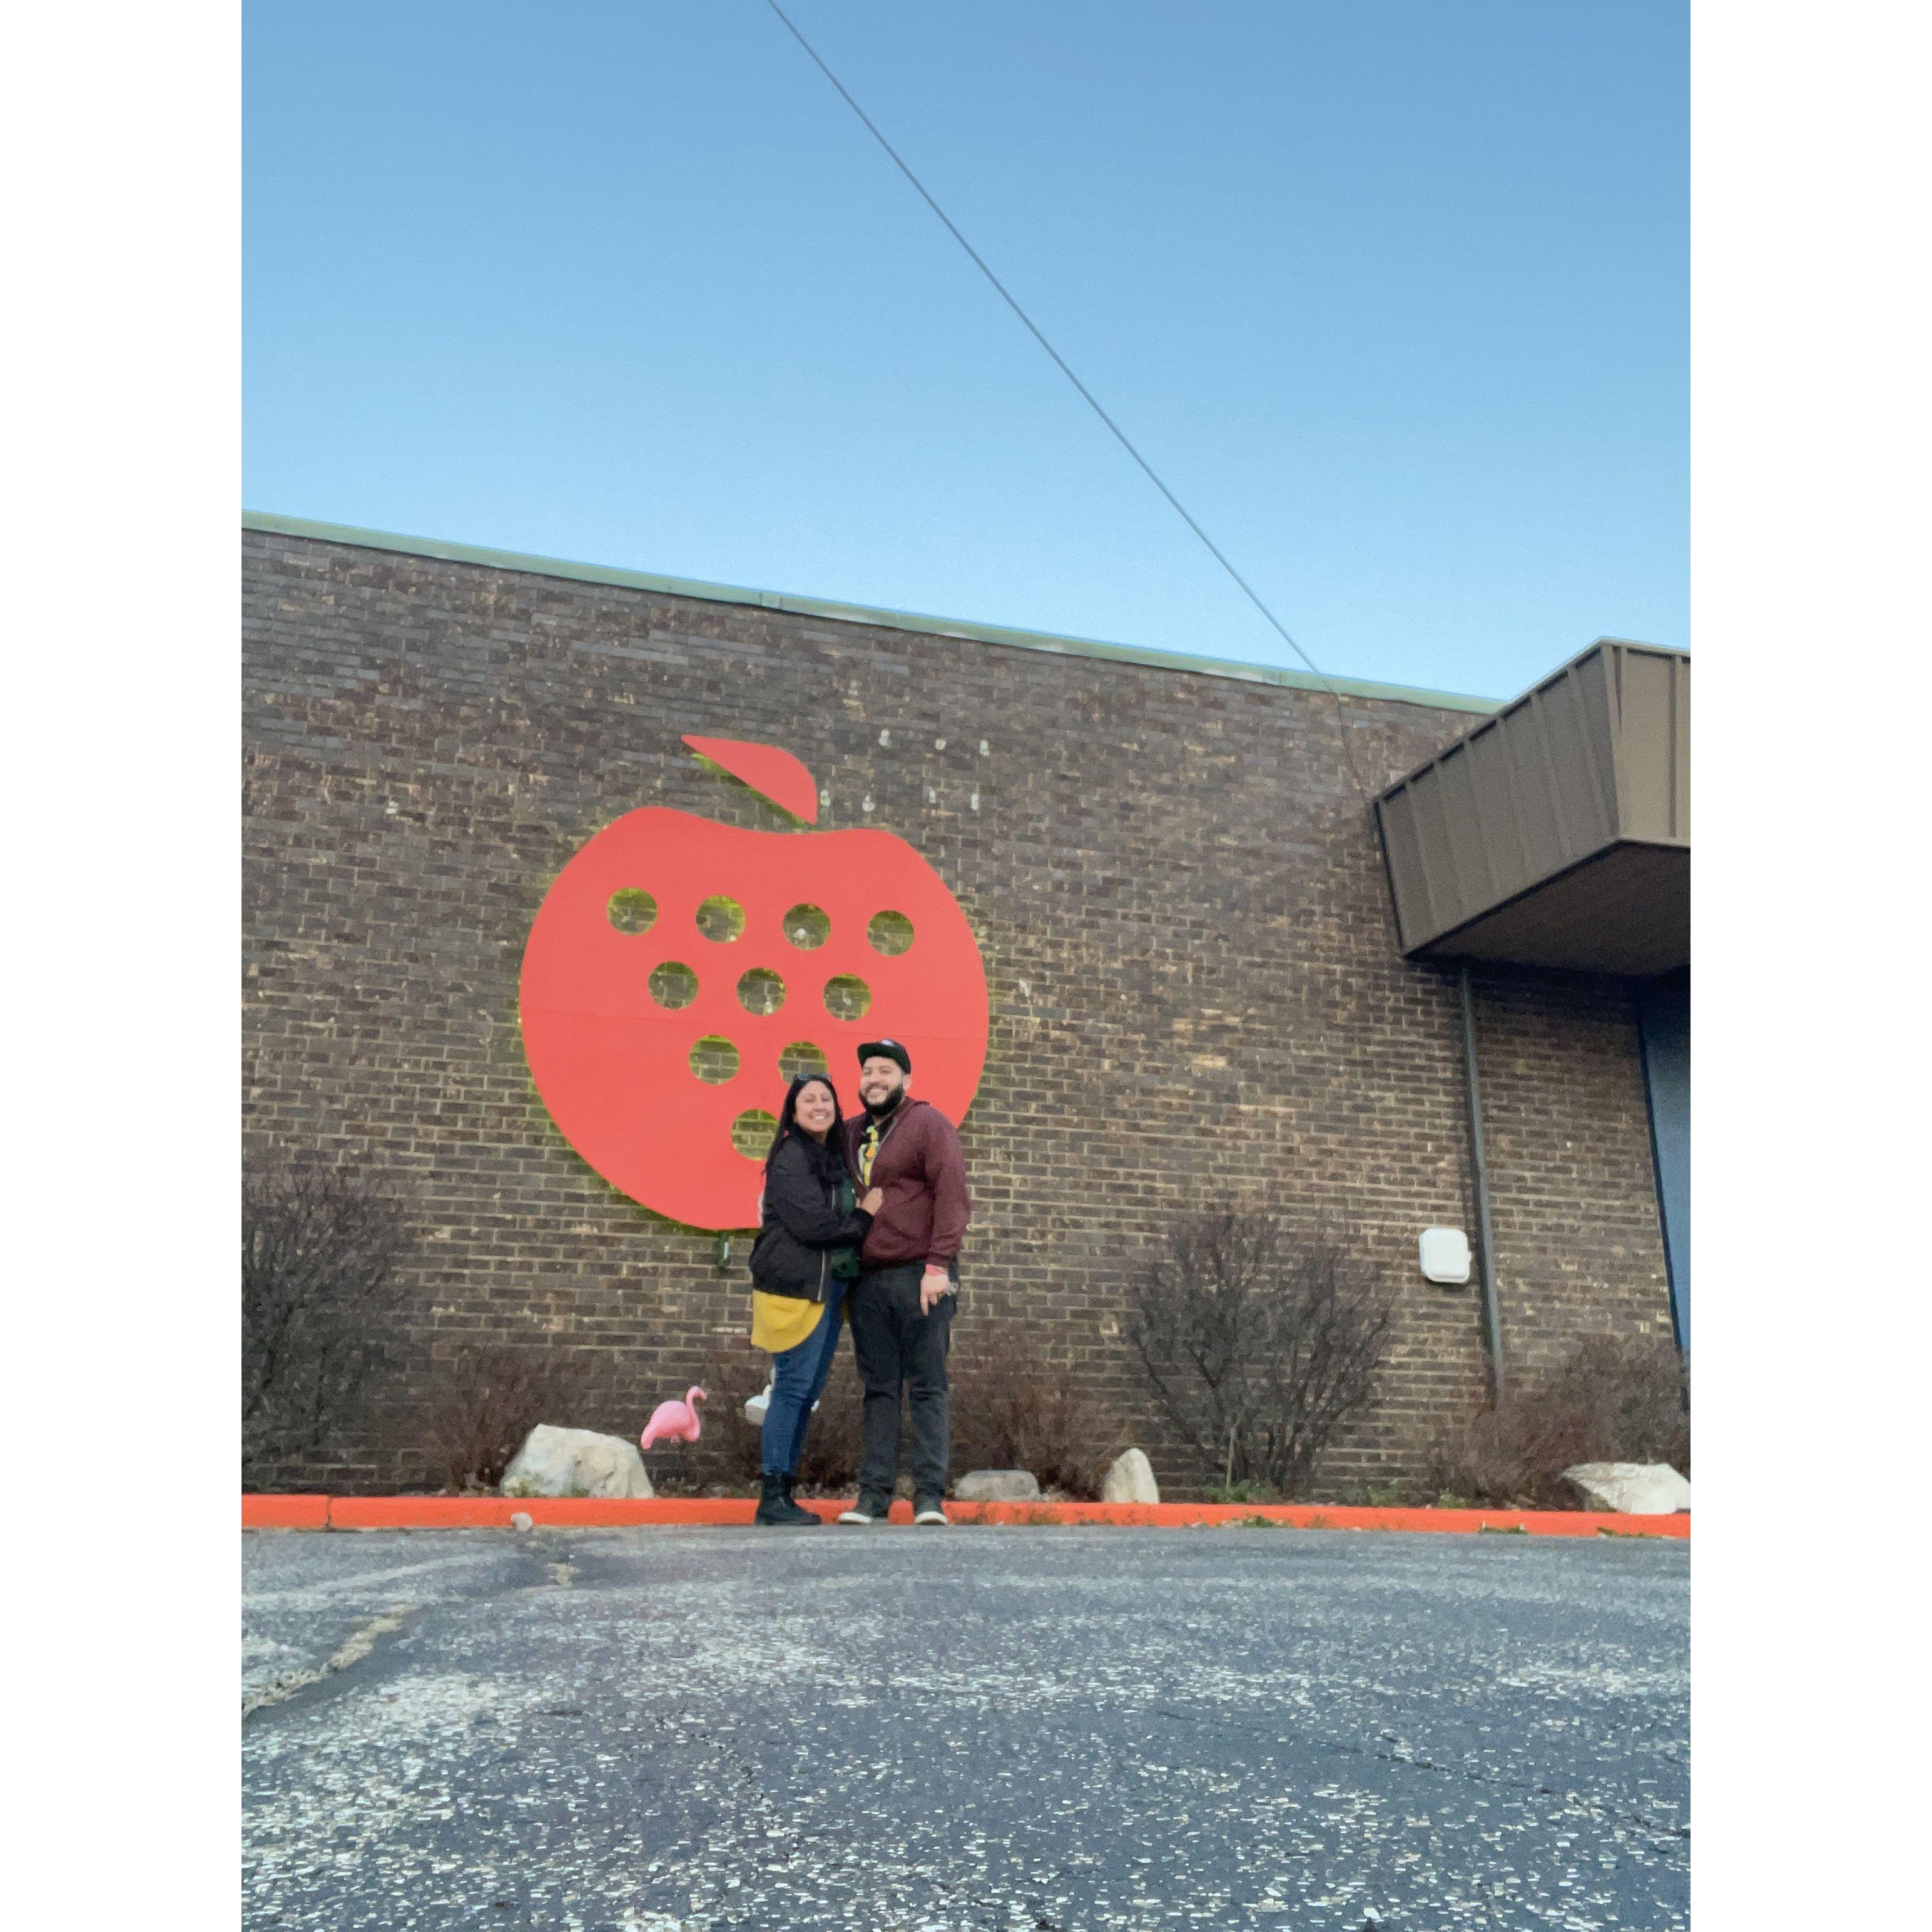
(320, 1245)
(1012, 1410)
(734, 1373)
(1258, 1346)
(737, 1372)
(1611, 1400)
(488, 1400)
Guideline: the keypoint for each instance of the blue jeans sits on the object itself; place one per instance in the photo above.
(798, 1379)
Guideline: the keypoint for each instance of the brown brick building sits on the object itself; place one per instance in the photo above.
(1172, 869)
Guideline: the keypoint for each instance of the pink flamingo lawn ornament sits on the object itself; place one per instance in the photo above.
(674, 1421)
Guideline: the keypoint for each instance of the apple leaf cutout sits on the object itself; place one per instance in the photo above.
(772, 774)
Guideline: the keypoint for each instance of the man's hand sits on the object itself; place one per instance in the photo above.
(936, 1284)
(874, 1200)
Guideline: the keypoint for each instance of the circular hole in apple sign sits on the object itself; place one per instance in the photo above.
(721, 918)
(752, 1133)
(672, 984)
(761, 991)
(889, 933)
(631, 910)
(807, 927)
(846, 997)
(802, 1058)
(714, 1059)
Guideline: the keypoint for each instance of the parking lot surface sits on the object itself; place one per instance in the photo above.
(1032, 1730)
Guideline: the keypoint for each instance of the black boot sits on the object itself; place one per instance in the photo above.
(776, 1508)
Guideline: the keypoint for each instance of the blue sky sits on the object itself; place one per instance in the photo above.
(1394, 296)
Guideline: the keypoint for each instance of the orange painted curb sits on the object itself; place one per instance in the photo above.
(272, 1512)
(495, 1512)
(1324, 1515)
(285, 1512)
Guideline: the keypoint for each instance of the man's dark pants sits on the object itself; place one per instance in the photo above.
(898, 1347)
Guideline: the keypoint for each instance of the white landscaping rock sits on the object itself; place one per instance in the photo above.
(576, 1463)
(1130, 1480)
(996, 1486)
(1631, 1489)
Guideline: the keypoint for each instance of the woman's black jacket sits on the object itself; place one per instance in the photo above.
(802, 1222)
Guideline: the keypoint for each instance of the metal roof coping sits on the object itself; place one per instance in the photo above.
(267, 523)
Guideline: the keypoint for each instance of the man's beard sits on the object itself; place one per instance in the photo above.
(879, 1109)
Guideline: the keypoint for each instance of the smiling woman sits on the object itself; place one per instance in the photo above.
(812, 1221)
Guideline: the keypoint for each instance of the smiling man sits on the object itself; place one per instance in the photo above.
(901, 1305)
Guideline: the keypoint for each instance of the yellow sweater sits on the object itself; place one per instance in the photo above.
(781, 1322)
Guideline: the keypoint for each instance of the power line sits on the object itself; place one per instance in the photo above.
(1121, 436)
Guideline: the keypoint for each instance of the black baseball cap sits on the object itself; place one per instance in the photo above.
(887, 1049)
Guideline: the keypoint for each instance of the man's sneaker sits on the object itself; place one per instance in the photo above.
(929, 1512)
(860, 1513)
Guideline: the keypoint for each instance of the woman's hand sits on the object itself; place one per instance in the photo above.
(874, 1201)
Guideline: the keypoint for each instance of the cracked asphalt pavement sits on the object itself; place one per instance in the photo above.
(1031, 1730)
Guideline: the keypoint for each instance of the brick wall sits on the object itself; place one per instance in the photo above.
(1177, 893)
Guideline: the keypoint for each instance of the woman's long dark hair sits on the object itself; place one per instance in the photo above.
(829, 1160)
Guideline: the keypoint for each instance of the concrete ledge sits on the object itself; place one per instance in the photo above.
(280, 1512)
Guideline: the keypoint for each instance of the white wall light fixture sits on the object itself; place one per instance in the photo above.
(1445, 1256)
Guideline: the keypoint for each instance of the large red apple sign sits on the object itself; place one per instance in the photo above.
(680, 972)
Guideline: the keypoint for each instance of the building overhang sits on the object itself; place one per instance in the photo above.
(1558, 832)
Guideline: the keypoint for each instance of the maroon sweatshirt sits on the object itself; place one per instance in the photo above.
(920, 1170)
